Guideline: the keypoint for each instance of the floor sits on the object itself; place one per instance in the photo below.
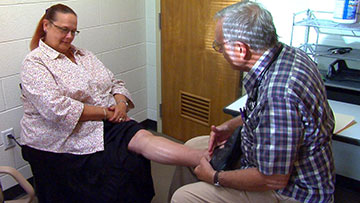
(162, 175)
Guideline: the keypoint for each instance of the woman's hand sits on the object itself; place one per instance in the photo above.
(119, 113)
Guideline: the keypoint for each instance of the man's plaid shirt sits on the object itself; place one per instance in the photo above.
(290, 128)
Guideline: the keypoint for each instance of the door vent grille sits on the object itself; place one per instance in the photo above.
(195, 108)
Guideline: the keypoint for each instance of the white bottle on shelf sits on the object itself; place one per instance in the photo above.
(345, 11)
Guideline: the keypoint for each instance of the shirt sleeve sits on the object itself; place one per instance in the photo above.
(41, 90)
(278, 136)
(118, 87)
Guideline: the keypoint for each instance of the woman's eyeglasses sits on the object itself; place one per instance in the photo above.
(65, 30)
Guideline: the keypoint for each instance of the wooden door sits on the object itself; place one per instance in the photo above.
(197, 82)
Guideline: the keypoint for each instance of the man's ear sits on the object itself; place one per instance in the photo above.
(241, 49)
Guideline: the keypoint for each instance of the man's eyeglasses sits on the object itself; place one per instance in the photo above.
(65, 30)
(217, 46)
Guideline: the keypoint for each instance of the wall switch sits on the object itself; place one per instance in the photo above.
(8, 143)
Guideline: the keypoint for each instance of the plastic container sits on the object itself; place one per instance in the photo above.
(346, 11)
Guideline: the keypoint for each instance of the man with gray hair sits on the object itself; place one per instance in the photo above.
(286, 124)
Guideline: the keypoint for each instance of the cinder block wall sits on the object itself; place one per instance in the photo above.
(115, 30)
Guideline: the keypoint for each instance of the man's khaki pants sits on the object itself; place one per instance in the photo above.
(185, 187)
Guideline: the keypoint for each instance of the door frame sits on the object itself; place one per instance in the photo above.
(158, 64)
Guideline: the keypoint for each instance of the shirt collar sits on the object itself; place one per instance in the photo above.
(53, 54)
(255, 71)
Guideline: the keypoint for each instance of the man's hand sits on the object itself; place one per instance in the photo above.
(204, 171)
(218, 136)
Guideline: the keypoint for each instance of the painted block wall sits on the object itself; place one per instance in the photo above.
(151, 27)
(115, 30)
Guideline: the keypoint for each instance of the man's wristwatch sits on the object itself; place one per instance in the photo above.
(216, 178)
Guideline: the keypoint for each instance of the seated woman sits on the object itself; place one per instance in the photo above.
(76, 135)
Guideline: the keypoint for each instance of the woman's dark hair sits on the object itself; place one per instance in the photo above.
(50, 15)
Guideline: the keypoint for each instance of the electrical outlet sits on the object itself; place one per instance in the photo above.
(8, 143)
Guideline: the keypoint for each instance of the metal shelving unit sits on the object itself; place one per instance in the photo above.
(313, 20)
(320, 23)
(317, 50)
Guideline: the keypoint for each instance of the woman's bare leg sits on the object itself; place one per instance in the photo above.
(165, 151)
